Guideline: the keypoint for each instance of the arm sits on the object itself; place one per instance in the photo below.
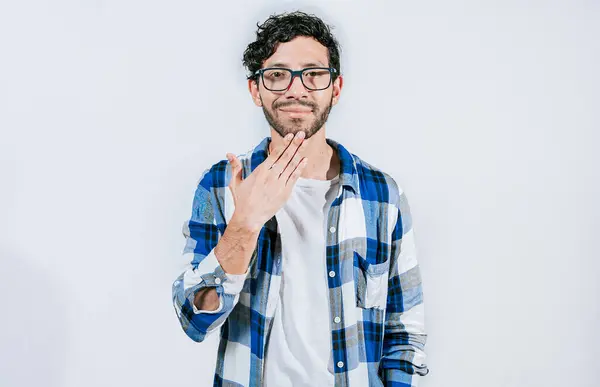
(403, 360)
(256, 199)
(206, 292)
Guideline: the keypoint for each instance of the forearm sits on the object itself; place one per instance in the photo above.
(236, 246)
(233, 252)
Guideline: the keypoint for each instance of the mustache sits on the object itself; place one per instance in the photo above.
(294, 103)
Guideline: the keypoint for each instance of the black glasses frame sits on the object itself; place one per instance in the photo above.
(295, 73)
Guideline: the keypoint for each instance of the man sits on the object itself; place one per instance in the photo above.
(301, 253)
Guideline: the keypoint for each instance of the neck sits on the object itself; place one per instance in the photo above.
(323, 161)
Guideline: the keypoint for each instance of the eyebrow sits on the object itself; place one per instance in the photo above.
(304, 65)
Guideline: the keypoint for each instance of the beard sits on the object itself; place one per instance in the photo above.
(310, 125)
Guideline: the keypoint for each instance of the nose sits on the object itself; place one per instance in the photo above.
(296, 88)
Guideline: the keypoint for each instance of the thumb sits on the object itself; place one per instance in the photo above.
(236, 168)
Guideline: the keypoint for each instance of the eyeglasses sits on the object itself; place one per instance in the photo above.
(280, 78)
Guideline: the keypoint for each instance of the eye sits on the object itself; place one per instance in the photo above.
(316, 73)
(276, 74)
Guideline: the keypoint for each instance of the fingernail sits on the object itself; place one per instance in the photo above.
(300, 134)
(289, 136)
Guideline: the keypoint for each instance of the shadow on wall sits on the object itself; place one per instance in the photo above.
(32, 326)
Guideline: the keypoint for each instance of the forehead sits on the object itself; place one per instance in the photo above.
(302, 51)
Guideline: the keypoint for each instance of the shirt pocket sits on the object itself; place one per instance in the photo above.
(371, 282)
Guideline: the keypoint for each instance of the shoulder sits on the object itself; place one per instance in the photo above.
(377, 184)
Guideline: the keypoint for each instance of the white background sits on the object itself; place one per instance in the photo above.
(485, 112)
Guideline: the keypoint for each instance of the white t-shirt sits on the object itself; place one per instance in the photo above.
(299, 347)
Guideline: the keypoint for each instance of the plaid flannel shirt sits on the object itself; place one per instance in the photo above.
(375, 289)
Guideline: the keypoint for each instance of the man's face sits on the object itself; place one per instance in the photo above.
(297, 108)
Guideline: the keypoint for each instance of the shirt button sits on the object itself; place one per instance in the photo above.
(332, 274)
(217, 280)
(337, 319)
(340, 364)
(332, 229)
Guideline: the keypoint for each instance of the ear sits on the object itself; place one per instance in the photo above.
(253, 89)
(337, 89)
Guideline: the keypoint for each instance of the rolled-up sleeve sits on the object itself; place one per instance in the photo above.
(203, 269)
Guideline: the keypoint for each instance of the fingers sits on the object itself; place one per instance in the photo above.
(291, 166)
(291, 151)
(236, 168)
(290, 144)
(293, 178)
(277, 152)
(282, 164)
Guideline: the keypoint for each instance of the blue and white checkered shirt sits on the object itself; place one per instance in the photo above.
(375, 289)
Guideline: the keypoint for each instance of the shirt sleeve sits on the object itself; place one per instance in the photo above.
(403, 360)
(202, 270)
(233, 285)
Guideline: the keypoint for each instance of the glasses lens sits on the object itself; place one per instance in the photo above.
(316, 79)
(276, 79)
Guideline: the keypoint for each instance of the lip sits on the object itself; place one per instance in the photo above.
(295, 110)
(296, 113)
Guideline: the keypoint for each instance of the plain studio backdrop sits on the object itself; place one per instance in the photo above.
(485, 112)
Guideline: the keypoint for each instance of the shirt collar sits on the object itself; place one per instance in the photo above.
(348, 171)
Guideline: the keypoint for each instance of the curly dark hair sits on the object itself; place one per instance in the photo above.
(283, 28)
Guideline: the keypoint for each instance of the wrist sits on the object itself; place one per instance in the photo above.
(236, 246)
(240, 224)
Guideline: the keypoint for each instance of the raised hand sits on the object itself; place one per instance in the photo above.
(258, 197)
